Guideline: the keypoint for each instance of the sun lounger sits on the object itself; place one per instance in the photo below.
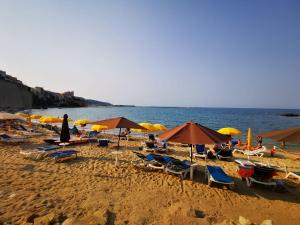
(257, 152)
(74, 141)
(151, 160)
(4, 138)
(293, 174)
(177, 167)
(216, 174)
(200, 152)
(39, 153)
(64, 155)
(257, 174)
(151, 147)
(244, 162)
(103, 143)
(224, 154)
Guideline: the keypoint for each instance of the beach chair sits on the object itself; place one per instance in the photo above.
(257, 152)
(153, 161)
(39, 153)
(216, 174)
(200, 152)
(4, 138)
(103, 143)
(156, 162)
(177, 167)
(257, 174)
(224, 154)
(51, 140)
(149, 147)
(243, 162)
(63, 155)
(161, 147)
(233, 143)
(293, 174)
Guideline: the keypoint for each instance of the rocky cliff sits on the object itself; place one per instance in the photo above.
(14, 95)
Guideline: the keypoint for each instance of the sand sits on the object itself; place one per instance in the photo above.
(91, 186)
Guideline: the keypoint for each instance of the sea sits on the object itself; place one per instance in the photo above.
(260, 120)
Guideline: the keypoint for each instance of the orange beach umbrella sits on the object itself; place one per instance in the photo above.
(118, 122)
(193, 133)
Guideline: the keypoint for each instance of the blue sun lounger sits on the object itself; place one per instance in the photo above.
(153, 161)
(176, 166)
(216, 174)
(63, 155)
(200, 151)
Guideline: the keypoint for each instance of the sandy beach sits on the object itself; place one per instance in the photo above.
(92, 190)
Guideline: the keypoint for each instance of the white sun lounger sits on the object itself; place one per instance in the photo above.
(293, 174)
(258, 152)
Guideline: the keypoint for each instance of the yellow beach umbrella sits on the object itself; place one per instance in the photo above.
(22, 115)
(98, 127)
(148, 128)
(249, 139)
(229, 131)
(35, 116)
(50, 119)
(159, 127)
(82, 122)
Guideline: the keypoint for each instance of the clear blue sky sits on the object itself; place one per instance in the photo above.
(165, 53)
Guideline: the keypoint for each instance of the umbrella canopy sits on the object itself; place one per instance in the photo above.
(82, 122)
(98, 127)
(249, 138)
(159, 127)
(229, 131)
(291, 134)
(22, 115)
(193, 133)
(9, 116)
(147, 127)
(65, 132)
(50, 119)
(118, 122)
(35, 116)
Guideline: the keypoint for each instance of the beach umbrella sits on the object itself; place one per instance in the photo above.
(193, 133)
(229, 131)
(9, 116)
(291, 134)
(98, 127)
(35, 116)
(147, 127)
(118, 122)
(249, 138)
(22, 115)
(82, 122)
(65, 132)
(159, 127)
(50, 119)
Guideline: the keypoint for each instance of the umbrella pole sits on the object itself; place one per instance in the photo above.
(119, 138)
(191, 154)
